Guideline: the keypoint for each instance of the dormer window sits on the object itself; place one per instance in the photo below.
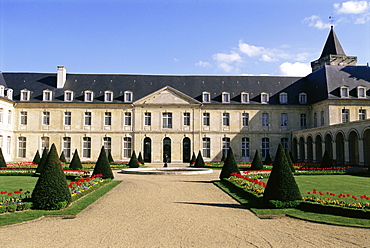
(244, 97)
(128, 96)
(225, 97)
(89, 96)
(283, 97)
(206, 97)
(344, 91)
(68, 96)
(108, 96)
(361, 92)
(46, 95)
(302, 98)
(2, 90)
(9, 94)
(25, 95)
(264, 97)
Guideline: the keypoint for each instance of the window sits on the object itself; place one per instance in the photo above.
(284, 120)
(108, 118)
(322, 118)
(206, 119)
(225, 145)
(108, 96)
(1, 115)
(88, 96)
(127, 119)
(206, 147)
(128, 96)
(186, 119)
(44, 143)
(265, 147)
(1, 142)
(9, 94)
(8, 144)
(245, 119)
(315, 123)
(22, 147)
(46, 95)
(2, 90)
(23, 118)
(86, 147)
(284, 143)
(147, 119)
(67, 118)
(68, 96)
(303, 120)
(226, 119)
(265, 119)
(206, 97)
(45, 118)
(25, 95)
(167, 120)
(107, 142)
(245, 147)
(344, 91)
(361, 92)
(362, 114)
(302, 98)
(87, 118)
(67, 147)
(264, 98)
(225, 97)
(283, 98)
(127, 147)
(9, 117)
(244, 97)
(345, 115)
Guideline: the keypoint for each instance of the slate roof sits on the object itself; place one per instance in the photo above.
(332, 45)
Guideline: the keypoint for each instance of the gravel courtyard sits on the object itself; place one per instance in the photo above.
(175, 211)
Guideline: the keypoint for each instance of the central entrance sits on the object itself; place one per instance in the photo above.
(147, 150)
(186, 150)
(167, 150)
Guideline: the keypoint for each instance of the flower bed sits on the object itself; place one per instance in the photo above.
(83, 186)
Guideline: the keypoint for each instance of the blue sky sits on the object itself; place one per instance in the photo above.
(196, 37)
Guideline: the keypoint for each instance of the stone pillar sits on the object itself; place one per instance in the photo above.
(346, 152)
(361, 157)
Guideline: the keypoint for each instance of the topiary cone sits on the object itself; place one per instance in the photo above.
(257, 162)
(134, 163)
(230, 165)
(102, 165)
(75, 162)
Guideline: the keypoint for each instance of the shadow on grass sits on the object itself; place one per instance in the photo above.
(222, 205)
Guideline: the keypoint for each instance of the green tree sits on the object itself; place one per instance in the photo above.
(326, 161)
(102, 165)
(134, 163)
(41, 165)
(230, 165)
(268, 160)
(199, 162)
(281, 185)
(223, 158)
(2, 160)
(75, 162)
(287, 154)
(51, 190)
(257, 162)
(140, 159)
(36, 158)
(110, 158)
(62, 158)
(193, 159)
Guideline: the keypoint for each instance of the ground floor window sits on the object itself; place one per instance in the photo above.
(22, 147)
(206, 147)
(107, 142)
(265, 147)
(67, 147)
(245, 148)
(86, 147)
(44, 143)
(225, 145)
(127, 147)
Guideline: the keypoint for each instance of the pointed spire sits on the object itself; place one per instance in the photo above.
(332, 45)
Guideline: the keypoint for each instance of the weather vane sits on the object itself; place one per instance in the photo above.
(331, 20)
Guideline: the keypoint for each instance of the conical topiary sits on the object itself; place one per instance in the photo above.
(41, 165)
(140, 159)
(2, 160)
(230, 165)
(268, 160)
(75, 162)
(36, 158)
(193, 159)
(199, 162)
(102, 165)
(287, 154)
(110, 158)
(257, 162)
(134, 163)
(223, 158)
(51, 191)
(62, 158)
(281, 185)
(326, 161)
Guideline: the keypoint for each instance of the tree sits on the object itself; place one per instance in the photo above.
(2, 160)
(199, 162)
(326, 161)
(230, 165)
(51, 190)
(41, 165)
(102, 165)
(110, 158)
(268, 160)
(281, 185)
(75, 162)
(36, 158)
(134, 163)
(140, 159)
(62, 158)
(223, 158)
(257, 162)
(287, 154)
(193, 159)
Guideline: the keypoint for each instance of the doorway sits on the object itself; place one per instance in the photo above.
(147, 150)
(186, 150)
(167, 150)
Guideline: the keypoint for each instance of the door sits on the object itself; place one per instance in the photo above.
(186, 150)
(167, 150)
(147, 150)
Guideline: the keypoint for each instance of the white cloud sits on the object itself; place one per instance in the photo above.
(293, 69)
(228, 68)
(267, 58)
(203, 64)
(315, 21)
(250, 50)
(227, 58)
(352, 7)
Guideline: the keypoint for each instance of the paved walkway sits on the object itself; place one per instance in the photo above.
(175, 211)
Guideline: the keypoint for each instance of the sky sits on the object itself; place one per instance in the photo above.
(178, 37)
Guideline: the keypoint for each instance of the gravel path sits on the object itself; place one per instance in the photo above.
(175, 211)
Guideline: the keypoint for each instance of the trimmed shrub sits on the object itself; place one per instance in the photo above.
(193, 159)
(268, 160)
(281, 185)
(230, 165)
(287, 154)
(2, 160)
(75, 162)
(102, 165)
(42, 162)
(223, 158)
(199, 162)
(134, 163)
(326, 161)
(140, 159)
(36, 158)
(257, 162)
(110, 158)
(51, 191)
(62, 158)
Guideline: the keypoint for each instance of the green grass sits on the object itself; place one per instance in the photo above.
(11, 183)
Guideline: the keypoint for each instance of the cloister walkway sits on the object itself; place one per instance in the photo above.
(175, 211)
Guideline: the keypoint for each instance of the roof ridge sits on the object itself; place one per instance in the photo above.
(332, 45)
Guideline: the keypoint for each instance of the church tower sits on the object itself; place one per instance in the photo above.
(333, 54)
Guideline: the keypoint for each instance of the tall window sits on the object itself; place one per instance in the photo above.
(186, 119)
(245, 119)
(345, 115)
(67, 147)
(167, 120)
(245, 147)
(1, 115)
(127, 147)
(206, 119)
(315, 123)
(284, 120)
(9, 117)
(225, 145)
(44, 143)
(362, 114)
(23, 118)
(22, 147)
(8, 144)
(147, 119)
(226, 119)
(283, 98)
(303, 120)
(87, 118)
(107, 142)
(265, 119)
(302, 98)
(322, 118)
(108, 96)
(86, 147)
(127, 119)
(67, 118)
(107, 118)
(284, 143)
(45, 118)
(265, 147)
(206, 147)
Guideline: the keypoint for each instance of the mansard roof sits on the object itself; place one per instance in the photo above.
(332, 45)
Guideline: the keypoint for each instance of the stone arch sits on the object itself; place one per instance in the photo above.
(318, 143)
(309, 149)
(366, 146)
(302, 154)
(329, 144)
(353, 147)
(339, 147)
(294, 148)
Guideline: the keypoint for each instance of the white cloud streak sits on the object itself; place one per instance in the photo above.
(293, 69)
(352, 7)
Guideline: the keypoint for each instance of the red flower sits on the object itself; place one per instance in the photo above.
(10, 193)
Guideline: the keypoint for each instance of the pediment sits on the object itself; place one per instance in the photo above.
(167, 96)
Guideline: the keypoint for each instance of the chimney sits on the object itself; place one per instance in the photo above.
(61, 76)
